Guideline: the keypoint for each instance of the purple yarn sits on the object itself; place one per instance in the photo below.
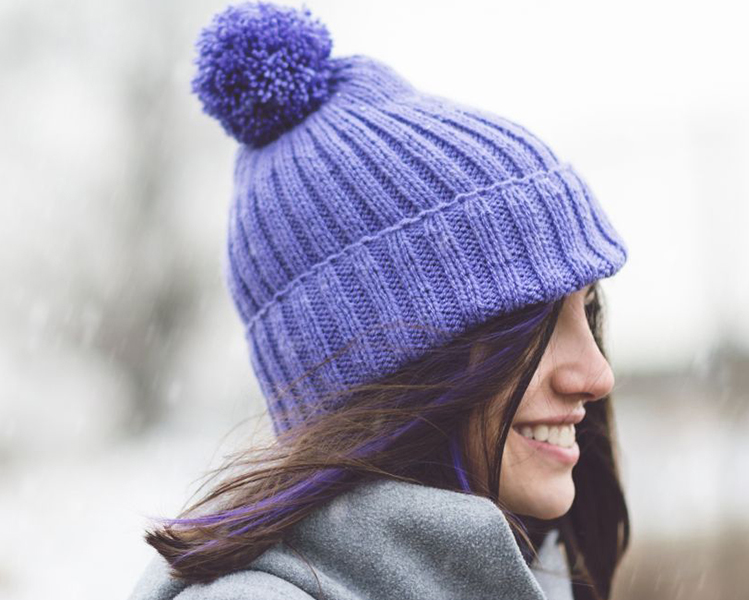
(381, 209)
(379, 212)
(262, 69)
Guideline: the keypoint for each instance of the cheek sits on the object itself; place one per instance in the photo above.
(520, 459)
(531, 485)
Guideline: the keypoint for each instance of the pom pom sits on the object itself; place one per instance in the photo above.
(262, 69)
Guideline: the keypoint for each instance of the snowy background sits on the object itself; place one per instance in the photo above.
(123, 373)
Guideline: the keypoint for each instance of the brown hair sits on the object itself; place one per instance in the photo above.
(408, 426)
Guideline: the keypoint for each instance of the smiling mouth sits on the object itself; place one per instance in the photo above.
(568, 455)
(562, 436)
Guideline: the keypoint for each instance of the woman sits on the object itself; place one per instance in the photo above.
(418, 283)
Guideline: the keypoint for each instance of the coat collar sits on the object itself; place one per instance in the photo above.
(396, 539)
(384, 539)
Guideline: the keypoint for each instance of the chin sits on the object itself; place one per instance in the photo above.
(551, 502)
(549, 512)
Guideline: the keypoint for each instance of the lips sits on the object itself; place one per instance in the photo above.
(566, 456)
(562, 419)
(552, 436)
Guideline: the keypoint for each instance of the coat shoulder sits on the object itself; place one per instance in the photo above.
(245, 585)
(156, 583)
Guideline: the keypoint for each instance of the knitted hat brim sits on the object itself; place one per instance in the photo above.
(414, 285)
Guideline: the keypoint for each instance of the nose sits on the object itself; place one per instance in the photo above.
(581, 371)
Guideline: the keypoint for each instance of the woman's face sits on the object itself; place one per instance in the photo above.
(540, 452)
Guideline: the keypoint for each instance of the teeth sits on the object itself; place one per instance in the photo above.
(558, 435)
(553, 436)
(541, 433)
(566, 436)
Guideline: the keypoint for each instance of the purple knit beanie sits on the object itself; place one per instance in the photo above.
(368, 213)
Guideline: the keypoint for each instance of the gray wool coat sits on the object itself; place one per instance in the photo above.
(381, 540)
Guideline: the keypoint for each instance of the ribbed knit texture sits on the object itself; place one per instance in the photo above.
(396, 220)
